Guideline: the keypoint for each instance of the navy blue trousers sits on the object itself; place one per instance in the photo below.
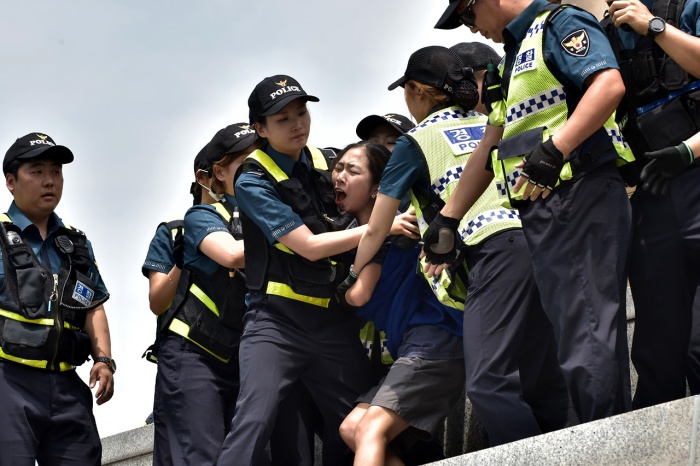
(197, 396)
(285, 341)
(47, 417)
(579, 239)
(513, 378)
(664, 276)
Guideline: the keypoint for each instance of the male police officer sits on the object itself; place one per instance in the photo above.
(560, 87)
(661, 109)
(52, 318)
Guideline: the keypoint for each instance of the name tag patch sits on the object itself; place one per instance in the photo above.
(463, 139)
(524, 62)
(83, 294)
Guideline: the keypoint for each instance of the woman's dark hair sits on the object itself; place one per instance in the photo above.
(377, 157)
(218, 186)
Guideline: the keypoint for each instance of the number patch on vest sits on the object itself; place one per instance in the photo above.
(576, 43)
(83, 294)
(464, 139)
(524, 62)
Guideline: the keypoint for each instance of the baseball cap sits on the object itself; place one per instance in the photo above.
(34, 145)
(399, 122)
(200, 161)
(476, 54)
(450, 18)
(233, 138)
(434, 66)
(273, 93)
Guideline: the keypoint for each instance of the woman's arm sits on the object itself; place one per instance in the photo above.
(380, 222)
(162, 288)
(314, 247)
(360, 293)
(223, 249)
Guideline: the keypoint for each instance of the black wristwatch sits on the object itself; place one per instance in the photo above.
(656, 26)
(109, 361)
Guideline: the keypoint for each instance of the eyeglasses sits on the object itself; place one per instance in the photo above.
(467, 17)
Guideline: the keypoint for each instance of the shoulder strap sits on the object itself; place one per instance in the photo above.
(317, 157)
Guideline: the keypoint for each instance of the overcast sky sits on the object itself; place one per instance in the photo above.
(136, 88)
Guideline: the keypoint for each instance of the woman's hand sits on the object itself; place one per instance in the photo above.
(406, 224)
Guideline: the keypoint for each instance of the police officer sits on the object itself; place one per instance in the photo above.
(197, 362)
(52, 318)
(658, 55)
(293, 329)
(163, 267)
(383, 129)
(560, 86)
(440, 93)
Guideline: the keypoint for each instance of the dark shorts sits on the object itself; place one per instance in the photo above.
(421, 391)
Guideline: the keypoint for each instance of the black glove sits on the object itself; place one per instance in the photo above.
(665, 165)
(344, 287)
(179, 249)
(440, 240)
(543, 165)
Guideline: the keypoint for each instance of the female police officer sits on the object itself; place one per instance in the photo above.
(294, 329)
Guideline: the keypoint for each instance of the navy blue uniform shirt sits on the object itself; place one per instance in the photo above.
(45, 250)
(200, 220)
(258, 199)
(571, 69)
(689, 22)
(160, 253)
(406, 169)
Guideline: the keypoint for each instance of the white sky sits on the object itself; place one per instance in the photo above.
(136, 88)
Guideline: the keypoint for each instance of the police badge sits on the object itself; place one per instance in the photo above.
(576, 43)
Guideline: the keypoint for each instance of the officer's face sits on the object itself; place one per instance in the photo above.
(287, 131)
(353, 185)
(38, 187)
(385, 135)
(485, 19)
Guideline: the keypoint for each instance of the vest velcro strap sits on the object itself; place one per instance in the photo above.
(285, 291)
(178, 327)
(206, 300)
(20, 318)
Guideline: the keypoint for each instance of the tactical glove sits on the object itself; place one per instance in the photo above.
(179, 249)
(440, 240)
(543, 165)
(665, 165)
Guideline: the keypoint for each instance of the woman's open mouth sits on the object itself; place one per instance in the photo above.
(339, 196)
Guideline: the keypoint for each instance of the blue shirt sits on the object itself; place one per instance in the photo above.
(570, 69)
(406, 169)
(258, 199)
(201, 220)
(45, 250)
(160, 253)
(689, 22)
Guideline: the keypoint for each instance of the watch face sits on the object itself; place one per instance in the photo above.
(657, 26)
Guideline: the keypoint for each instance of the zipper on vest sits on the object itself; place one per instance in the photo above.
(53, 299)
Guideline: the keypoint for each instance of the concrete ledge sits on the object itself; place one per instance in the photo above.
(132, 448)
(662, 434)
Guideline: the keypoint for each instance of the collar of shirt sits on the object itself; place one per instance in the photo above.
(285, 162)
(22, 222)
(516, 29)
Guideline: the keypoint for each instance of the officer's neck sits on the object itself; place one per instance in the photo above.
(39, 219)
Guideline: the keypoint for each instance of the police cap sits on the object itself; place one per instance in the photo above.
(272, 94)
(35, 145)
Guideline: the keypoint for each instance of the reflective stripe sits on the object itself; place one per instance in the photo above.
(280, 289)
(206, 300)
(38, 363)
(317, 158)
(449, 114)
(222, 211)
(266, 161)
(283, 248)
(486, 218)
(71, 326)
(4, 218)
(535, 104)
(616, 137)
(15, 316)
(451, 175)
(180, 328)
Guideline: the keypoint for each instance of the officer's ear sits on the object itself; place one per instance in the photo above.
(219, 172)
(10, 182)
(261, 129)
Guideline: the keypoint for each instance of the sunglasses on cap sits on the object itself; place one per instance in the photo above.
(467, 17)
